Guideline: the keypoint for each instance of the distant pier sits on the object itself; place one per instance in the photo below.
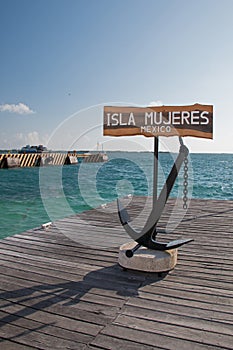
(12, 160)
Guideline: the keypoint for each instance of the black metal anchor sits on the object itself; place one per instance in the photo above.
(147, 237)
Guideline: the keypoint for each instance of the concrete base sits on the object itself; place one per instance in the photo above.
(146, 259)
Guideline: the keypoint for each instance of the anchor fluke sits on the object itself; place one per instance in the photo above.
(144, 239)
(178, 243)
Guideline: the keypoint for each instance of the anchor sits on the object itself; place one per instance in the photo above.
(147, 237)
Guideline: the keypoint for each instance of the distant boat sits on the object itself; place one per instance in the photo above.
(33, 149)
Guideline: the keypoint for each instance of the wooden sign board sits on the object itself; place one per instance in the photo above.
(195, 120)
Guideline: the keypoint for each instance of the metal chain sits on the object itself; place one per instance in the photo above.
(185, 184)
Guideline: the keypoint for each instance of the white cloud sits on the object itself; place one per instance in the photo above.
(20, 136)
(33, 138)
(155, 103)
(19, 108)
(9, 140)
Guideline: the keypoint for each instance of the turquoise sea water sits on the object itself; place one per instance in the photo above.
(32, 196)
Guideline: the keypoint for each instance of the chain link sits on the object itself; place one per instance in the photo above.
(185, 184)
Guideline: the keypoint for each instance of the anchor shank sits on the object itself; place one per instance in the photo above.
(155, 178)
(165, 192)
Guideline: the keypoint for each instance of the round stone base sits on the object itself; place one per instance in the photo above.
(147, 260)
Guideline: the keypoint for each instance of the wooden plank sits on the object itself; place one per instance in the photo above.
(179, 330)
(113, 289)
(89, 323)
(153, 339)
(11, 345)
(114, 284)
(110, 343)
(190, 320)
(101, 262)
(58, 329)
(35, 338)
(183, 307)
(55, 297)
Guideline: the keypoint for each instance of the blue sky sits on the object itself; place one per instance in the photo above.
(60, 57)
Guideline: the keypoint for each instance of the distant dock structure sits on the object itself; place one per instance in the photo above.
(13, 160)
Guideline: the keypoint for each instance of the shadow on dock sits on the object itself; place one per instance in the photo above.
(126, 284)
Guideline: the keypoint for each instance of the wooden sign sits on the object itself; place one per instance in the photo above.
(195, 120)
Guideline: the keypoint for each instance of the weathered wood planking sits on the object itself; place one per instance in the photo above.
(57, 293)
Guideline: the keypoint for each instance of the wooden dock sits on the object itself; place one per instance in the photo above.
(59, 294)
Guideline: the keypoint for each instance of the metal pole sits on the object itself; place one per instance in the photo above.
(155, 178)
